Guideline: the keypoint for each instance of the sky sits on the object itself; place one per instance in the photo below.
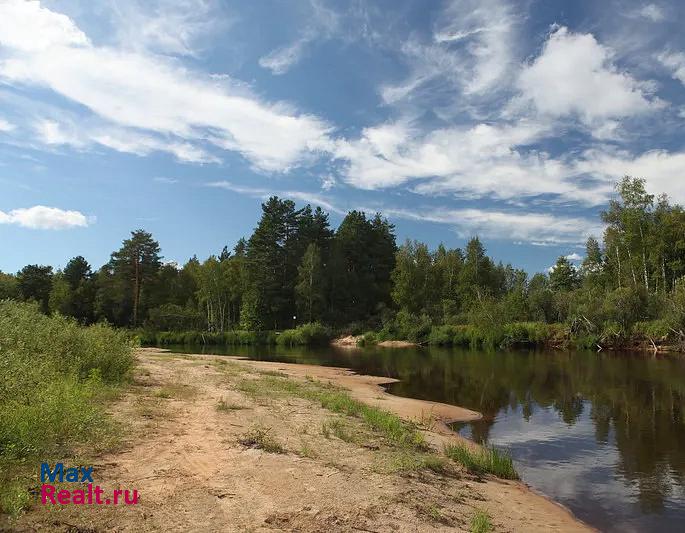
(510, 120)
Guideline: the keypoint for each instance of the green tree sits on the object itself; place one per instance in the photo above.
(310, 287)
(136, 263)
(9, 286)
(35, 283)
(563, 276)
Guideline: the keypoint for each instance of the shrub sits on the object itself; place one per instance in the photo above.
(304, 335)
(52, 372)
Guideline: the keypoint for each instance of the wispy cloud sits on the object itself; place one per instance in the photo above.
(139, 91)
(6, 125)
(42, 217)
(538, 228)
(322, 24)
(264, 193)
(675, 63)
(651, 12)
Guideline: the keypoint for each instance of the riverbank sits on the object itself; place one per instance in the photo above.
(221, 444)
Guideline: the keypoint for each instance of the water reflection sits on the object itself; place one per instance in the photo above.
(604, 434)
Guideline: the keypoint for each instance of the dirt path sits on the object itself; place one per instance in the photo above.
(189, 457)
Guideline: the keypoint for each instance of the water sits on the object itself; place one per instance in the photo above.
(604, 434)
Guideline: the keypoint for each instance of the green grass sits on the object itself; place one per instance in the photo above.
(334, 399)
(481, 461)
(177, 391)
(55, 378)
(259, 438)
(481, 523)
(406, 462)
(338, 428)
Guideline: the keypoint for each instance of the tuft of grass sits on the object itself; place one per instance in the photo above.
(176, 390)
(272, 373)
(481, 523)
(223, 405)
(481, 461)
(407, 462)
(340, 430)
(259, 438)
(306, 450)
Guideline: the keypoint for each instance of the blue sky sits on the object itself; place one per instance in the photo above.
(503, 119)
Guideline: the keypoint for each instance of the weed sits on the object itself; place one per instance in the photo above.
(258, 437)
(223, 405)
(481, 523)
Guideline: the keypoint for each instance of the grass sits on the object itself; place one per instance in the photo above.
(334, 399)
(176, 390)
(223, 405)
(55, 379)
(259, 438)
(481, 523)
(407, 462)
(482, 461)
(306, 450)
(338, 428)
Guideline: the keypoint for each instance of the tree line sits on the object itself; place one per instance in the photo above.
(296, 269)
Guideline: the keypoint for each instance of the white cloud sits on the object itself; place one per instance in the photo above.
(82, 136)
(280, 60)
(472, 51)
(574, 76)
(487, 28)
(42, 217)
(6, 126)
(575, 256)
(28, 27)
(328, 181)
(651, 12)
(322, 24)
(263, 193)
(167, 26)
(538, 228)
(675, 63)
(141, 91)
(662, 170)
(479, 161)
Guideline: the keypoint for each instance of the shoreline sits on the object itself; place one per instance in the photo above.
(369, 389)
(185, 452)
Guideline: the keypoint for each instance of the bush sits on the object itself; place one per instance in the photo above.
(305, 335)
(52, 372)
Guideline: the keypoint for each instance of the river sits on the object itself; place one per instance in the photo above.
(601, 433)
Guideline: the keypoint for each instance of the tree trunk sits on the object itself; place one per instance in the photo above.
(644, 259)
(136, 288)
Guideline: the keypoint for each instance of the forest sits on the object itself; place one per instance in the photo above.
(299, 280)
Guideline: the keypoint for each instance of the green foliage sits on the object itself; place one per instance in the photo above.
(337, 400)
(481, 523)
(294, 268)
(35, 283)
(260, 438)
(481, 461)
(52, 372)
(305, 335)
(9, 287)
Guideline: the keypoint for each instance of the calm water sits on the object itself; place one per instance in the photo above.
(604, 434)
